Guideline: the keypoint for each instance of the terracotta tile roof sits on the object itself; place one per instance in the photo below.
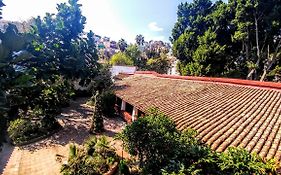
(224, 114)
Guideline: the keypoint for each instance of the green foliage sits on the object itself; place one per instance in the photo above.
(107, 102)
(97, 118)
(239, 161)
(59, 46)
(133, 52)
(97, 161)
(123, 168)
(150, 138)
(160, 65)
(221, 38)
(103, 80)
(31, 124)
(121, 59)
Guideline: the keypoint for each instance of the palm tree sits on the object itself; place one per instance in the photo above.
(140, 40)
(122, 45)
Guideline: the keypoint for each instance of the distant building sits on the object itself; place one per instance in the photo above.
(116, 70)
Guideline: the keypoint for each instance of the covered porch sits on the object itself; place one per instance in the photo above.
(129, 112)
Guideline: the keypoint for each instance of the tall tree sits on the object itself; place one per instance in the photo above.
(59, 45)
(133, 52)
(122, 45)
(238, 39)
(140, 40)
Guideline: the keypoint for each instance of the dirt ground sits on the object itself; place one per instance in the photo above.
(45, 157)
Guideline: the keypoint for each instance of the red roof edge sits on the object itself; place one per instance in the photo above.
(146, 72)
(125, 73)
(270, 85)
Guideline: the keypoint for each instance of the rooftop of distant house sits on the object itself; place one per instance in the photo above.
(225, 112)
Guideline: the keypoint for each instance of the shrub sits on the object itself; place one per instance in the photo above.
(31, 124)
(151, 138)
(160, 65)
(121, 59)
(123, 168)
(21, 130)
(83, 162)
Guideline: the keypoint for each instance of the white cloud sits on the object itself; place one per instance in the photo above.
(153, 27)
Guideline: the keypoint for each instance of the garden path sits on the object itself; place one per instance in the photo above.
(45, 157)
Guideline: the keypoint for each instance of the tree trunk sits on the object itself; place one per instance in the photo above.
(270, 61)
(250, 75)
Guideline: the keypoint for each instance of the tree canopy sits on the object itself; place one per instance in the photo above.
(38, 69)
(121, 59)
(235, 39)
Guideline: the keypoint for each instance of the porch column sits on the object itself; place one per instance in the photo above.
(134, 114)
(123, 105)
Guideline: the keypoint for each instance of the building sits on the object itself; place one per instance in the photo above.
(116, 70)
(225, 112)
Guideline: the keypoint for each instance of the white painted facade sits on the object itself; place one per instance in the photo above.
(115, 70)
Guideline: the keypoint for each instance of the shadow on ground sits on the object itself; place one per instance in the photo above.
(5, 156)
(75, 123)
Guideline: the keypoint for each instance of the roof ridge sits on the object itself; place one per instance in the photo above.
(252, 83)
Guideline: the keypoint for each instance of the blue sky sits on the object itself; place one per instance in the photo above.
(113, 18)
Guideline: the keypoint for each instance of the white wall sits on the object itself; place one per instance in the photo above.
(115, 70)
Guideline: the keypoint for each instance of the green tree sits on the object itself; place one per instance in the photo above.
(140, 40)
(97, 118)
(11, 41)
(122, 45)
(191, 18)
(121, 59)
(59, 44)
(150, 138)
(236, 39)
(133, 52)
(160, 65)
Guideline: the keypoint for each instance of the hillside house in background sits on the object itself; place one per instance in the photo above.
(116, 70)
(225, 112)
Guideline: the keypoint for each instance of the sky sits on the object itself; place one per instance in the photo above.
(117, 19)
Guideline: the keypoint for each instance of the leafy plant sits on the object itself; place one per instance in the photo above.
(121, 59)
(98, 161)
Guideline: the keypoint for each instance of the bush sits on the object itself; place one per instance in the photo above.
(21, 130)
(121, 59)
(123, 168)
(97, 161)
(151, 138)
(30, 125)
(160, 65)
